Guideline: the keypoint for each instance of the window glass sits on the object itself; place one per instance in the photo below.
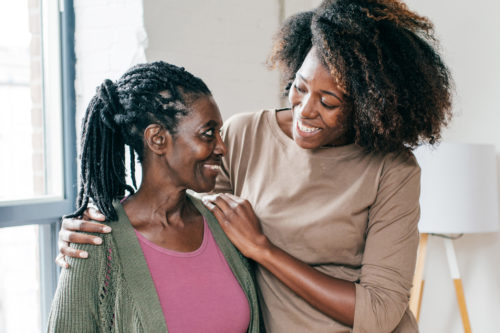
(19, 280)
(30, 110)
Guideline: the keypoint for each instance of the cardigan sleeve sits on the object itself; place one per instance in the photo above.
(75, 304)
(389, 257)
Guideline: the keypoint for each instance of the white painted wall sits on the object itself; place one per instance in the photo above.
(470, 44)
(224, 42)
(109, 38)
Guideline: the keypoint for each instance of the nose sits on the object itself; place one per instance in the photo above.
(220, 147)
(306, 107)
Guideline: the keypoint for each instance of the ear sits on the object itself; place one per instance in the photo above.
(157, 138)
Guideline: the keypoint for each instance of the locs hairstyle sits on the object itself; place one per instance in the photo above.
(398, 90)
(154, 93)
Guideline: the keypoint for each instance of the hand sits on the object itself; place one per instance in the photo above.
(71, 233)
(238, 220)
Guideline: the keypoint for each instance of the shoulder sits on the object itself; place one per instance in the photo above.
(96, 254)
(403, 163)
(399, 181)
(245, 120)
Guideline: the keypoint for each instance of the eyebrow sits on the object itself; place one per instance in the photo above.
(323, 91)
(211, 123)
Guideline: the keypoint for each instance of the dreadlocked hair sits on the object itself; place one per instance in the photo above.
(385, 58)
(118, 114)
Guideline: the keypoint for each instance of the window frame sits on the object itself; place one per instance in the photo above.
(47, 212)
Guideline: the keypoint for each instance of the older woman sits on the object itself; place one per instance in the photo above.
(329, 187)
(167, 263)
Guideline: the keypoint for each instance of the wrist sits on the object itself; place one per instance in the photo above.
(262, 249)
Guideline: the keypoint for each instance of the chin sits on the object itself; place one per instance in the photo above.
(305, 144)
(206, 186)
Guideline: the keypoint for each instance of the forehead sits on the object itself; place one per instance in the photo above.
(315, 71)
(313, 68)
(203, 110)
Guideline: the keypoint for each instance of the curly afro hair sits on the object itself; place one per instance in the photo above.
(385, 57)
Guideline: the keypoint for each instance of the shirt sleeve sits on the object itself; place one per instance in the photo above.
(75, 304)
(388, 264)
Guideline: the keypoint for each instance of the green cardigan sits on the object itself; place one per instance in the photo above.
(112, 290)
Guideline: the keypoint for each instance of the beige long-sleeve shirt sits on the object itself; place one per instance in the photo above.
(349, 214)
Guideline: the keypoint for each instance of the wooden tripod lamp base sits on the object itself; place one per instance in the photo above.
(418, 281)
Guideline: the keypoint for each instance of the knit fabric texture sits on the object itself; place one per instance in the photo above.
(112, 290)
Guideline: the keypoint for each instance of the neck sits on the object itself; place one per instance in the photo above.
(158, 201)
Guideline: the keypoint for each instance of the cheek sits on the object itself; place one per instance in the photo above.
(202, 151)
(335, 119)
(293, 97)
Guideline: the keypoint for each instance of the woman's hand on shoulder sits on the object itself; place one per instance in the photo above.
(238, 220)
(72, 232)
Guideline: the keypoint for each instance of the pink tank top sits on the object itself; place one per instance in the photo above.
(197, 290)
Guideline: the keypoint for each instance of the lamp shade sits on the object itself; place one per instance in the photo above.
(458, 188)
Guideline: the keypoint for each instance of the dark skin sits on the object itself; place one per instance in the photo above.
(316, 102)
(317, 120)
(191, 158)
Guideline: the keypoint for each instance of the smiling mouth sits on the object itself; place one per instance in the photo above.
(308, 130)
(212, 167)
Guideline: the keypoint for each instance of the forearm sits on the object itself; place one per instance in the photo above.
(334, 297)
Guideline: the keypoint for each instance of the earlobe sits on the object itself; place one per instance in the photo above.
(156, 137)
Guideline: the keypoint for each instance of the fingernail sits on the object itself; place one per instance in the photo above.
(84, 255)
(209, 205)
(97, 241)
(106, 229)
(210, 197)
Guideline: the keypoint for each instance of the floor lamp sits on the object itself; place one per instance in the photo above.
(458, 195)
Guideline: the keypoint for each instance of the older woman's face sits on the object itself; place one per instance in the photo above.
(197, 147)
(317, 105)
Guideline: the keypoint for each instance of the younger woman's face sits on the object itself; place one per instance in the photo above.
(197, 148)
(318, 106)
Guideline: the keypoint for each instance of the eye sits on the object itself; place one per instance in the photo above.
(298, 88)
(210, 133)
(328, 105)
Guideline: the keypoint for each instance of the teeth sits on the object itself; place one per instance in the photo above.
(307, 129)
(212, 167)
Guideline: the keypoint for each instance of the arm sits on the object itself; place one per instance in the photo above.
(75, 304)
(72, 232)
(383, 291)
(331, 296)
(375, 303)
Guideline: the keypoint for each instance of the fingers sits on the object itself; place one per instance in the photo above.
(61, 261)
(236, 198)
(94, 214)
(86, 226)
(226, 204)
(72, 252)
(78, 237)
(218, 213)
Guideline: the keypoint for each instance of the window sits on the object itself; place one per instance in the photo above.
(37, 145)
